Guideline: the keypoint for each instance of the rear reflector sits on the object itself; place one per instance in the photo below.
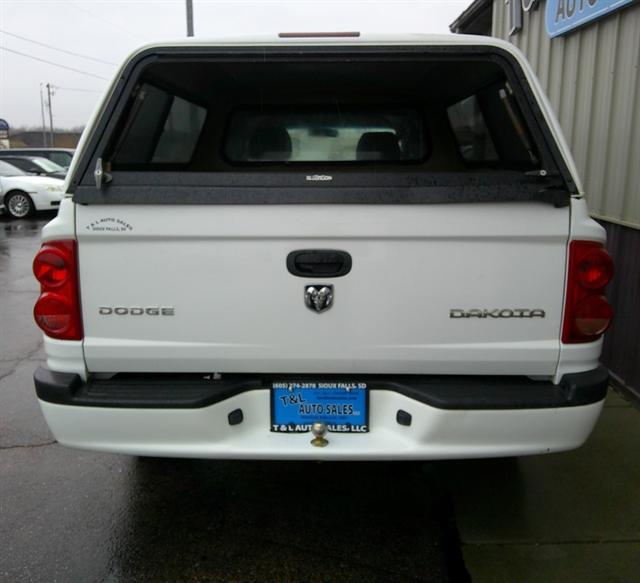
(53, 313)
(587, 312)
(57, 310)
(592, 316)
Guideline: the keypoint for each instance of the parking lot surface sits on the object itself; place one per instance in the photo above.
(68, 515)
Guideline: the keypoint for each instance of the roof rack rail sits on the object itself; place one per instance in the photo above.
(317, 34)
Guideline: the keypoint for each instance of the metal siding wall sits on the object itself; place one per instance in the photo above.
(591, 77)
(621, 352)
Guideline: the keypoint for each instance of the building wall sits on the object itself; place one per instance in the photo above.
(621, 351)
(592, 78)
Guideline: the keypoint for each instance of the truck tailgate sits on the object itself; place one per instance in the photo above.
(236, 308)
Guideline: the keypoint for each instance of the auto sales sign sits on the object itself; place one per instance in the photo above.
(561, 16)
(4, 134)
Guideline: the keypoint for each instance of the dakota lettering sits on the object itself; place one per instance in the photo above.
(497, 313)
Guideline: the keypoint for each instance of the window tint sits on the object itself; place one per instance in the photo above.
(7, 169)
(325, 134)
(47, 165)
(180, 133)
(471, 132)
(61, 158)
(162, 128)
(23, 164)
(239, 117)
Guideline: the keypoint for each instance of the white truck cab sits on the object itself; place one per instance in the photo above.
(338, 248)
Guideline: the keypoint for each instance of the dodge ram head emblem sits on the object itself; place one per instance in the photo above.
(318, 297)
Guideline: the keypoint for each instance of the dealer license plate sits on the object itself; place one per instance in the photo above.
(342, 406)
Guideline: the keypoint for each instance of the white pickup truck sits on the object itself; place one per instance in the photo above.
(323, 247)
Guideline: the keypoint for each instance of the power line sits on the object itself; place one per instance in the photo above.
(35, 42)
(122, 29)
(52, 63)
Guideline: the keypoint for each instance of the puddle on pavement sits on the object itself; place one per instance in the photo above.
(292, 521)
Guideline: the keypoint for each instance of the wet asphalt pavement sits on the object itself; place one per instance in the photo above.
(69, 515)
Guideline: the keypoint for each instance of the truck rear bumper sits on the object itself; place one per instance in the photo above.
(469, 419)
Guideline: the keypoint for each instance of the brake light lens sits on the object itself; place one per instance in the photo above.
(588, 314)
(57, 310)
(50, 266)
(595, 269)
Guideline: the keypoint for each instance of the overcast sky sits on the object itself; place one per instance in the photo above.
(110, 30)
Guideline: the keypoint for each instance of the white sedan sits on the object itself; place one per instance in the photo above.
(22, 194)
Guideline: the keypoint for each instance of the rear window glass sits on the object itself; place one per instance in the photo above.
(271, 117)
(471, 132)
(325, 134)
(48, 165)
(180, 132)
(162, 128)
(489, 130)
(61, 158)
(7, 169)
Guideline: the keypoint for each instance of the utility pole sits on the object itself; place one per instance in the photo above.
(50, 115)
(44, 129)
(189, 17)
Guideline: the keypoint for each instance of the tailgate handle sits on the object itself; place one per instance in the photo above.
(318, 263)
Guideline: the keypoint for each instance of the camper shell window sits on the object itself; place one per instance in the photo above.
(325, 134)
(452, 117)
(207, 117)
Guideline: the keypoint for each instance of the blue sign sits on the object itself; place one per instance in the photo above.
(342, 406)
(4, 130)
(561, 16)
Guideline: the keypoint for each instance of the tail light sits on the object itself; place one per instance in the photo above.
(587, 312)
(57, 311)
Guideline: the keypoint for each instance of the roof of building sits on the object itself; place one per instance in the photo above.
(477, 15)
